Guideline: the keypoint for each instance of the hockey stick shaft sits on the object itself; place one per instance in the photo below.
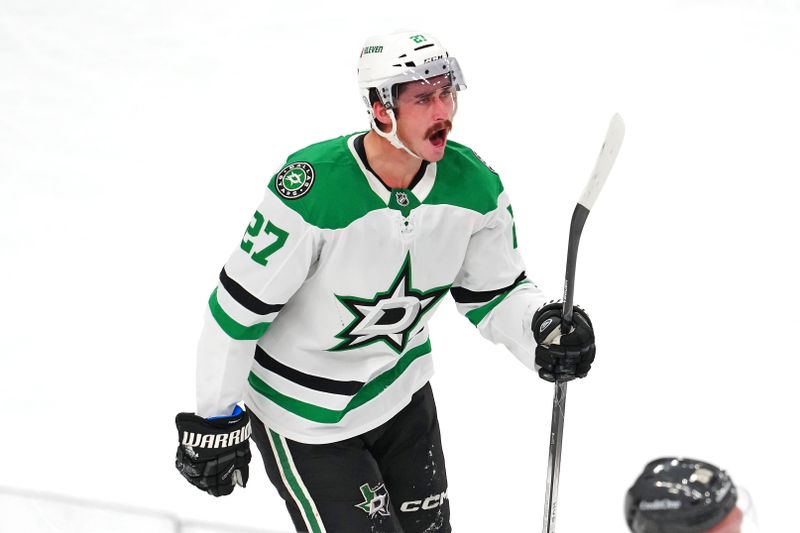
(608, 154)
(579, 216)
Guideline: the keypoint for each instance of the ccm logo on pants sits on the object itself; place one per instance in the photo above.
(431, 502)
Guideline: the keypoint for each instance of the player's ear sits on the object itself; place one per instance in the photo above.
(381, 116)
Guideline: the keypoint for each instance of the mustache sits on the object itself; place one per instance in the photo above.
(444, 125)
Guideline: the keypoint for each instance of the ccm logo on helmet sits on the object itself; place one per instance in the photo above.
(431, 502)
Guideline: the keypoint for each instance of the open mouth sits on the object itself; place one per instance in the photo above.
(438, 138)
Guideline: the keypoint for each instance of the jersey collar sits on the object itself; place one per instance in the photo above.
(421, 189)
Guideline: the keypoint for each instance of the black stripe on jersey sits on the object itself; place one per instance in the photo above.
(346, 388)
(244, 298)
(465, 296)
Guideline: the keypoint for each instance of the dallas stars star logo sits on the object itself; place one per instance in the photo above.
(376, 500)
(389, 316)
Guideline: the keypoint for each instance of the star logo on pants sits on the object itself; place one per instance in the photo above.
(376, 500)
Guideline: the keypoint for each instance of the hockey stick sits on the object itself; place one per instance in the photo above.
(608, 153)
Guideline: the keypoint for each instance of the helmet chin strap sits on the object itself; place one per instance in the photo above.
(392, 137)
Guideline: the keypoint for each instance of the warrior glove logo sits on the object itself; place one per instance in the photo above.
(216, 440)
(295, 180)
(376, 500)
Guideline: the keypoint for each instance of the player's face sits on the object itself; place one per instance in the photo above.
(425, 112)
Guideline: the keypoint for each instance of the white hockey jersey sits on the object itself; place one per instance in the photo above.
(319, 320)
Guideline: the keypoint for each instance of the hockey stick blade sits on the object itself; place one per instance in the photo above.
(602, 167)
(608, 154)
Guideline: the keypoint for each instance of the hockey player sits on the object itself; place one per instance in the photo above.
(683, 496)
(319, 321)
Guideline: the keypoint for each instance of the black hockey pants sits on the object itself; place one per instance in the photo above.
(391, 479)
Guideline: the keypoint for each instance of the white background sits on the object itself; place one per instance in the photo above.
(136, 138)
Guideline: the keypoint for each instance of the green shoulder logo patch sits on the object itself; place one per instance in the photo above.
(295, 180)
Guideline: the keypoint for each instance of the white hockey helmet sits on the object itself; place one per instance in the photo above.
(389, 60)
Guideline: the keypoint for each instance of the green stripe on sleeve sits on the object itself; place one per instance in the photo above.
(369, 391)
(232, 328)
(476, 315)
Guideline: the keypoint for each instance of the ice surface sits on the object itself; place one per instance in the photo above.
(30, 512)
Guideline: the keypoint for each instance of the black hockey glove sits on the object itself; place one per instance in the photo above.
(214, 453)
(562, 357)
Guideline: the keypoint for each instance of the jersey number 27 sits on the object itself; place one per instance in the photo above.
(253, 230)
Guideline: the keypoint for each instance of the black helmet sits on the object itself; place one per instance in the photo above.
(676, 495)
